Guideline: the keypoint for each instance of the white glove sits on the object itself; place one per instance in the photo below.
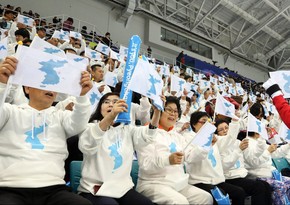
(269, 83)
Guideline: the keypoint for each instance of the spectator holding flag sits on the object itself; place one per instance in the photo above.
(233, 164)
(37, 133)
(258, 161)
(108, 153)
(282, 106)
(161, 171)
(206, 173)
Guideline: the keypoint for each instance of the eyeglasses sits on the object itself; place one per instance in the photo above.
(108, 101)
(202, 122)
(171, 111)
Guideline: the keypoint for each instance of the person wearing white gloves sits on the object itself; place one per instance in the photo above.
(282, 106)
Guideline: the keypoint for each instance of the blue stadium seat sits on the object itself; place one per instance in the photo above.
(280, 163)
(75, 174)
(134, 172)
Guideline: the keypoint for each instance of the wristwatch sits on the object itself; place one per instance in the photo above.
(152, 126)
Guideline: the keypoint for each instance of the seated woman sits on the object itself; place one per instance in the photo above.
(108, 153)
(258, 160)
(161, 170)
(208, 173)
(234, 169)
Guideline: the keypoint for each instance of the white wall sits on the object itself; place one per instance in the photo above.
(105, 16)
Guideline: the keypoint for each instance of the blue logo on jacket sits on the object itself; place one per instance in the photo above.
(33, 140)
(118, 159)
(211, 157)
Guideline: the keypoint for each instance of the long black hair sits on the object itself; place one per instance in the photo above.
(97, 115)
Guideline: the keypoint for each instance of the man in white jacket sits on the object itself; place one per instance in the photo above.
(33, 144)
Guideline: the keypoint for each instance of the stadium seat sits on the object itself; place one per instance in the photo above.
(280, 163)
(134, 172)
(75, 174)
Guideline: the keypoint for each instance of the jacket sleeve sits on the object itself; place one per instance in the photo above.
(283, 109)
(230, 158)
(254, 158)
(4, 108)
(150, 160)
(143, 110)
(226, 142)
(90, 139)
(142, 136)
(76, 121)
(281, 151)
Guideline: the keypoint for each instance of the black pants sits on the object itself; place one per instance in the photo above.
(52, 195)
(259, 191)
(131, 197)
(237, 194)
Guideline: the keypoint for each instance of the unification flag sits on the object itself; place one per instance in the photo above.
(61, 35)
(103, 48)
(255, 125)
(146, 81)
(50, 72)
(283, 80)
(75, 35)
(46, 47)
(224, 107)
(203, 137)
(25, 20)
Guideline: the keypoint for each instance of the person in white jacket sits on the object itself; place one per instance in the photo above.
(258, 160)
(161, 169)
(108, 149)
(208, 173)
(233, 165)
(33, 144)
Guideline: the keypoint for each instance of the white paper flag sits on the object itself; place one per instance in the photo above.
(283, 80)
(224, 107)
(189, 71)
(103, 48)
(110, 79)
(284, 132)
(255, 125)
(25, 20)
(94, 96)
(93, 55)
(203, 137)
(177, 84)
(123, 51)
(190, 86)
(77, 59)
(75, 35)
(213, 80)
(146, 81)
(115, 56)
(50, 72)
(62, 35)
(271, 108)
(196, 78)
(46, 47)
(165, 70)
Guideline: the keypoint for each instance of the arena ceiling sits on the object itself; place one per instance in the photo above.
(256, 31)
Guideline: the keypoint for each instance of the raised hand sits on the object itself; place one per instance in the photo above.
(244, 144)
(7, 68)
(86, 83)
(176, 158)
(119, 106)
